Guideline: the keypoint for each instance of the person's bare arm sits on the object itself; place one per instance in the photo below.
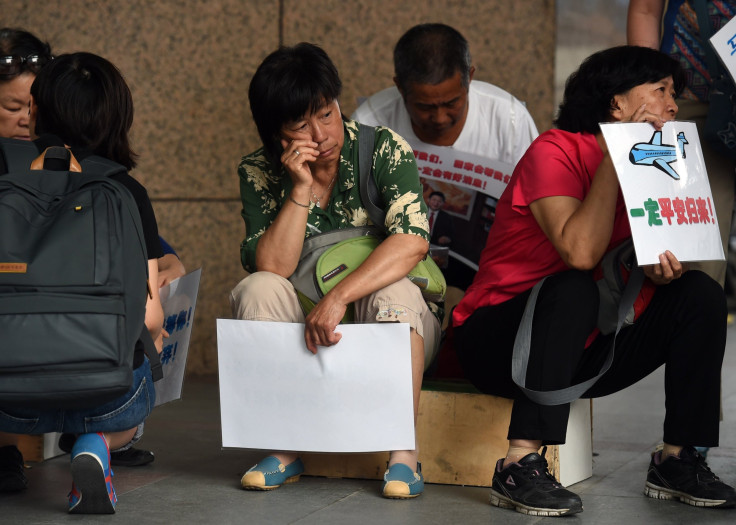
(581, 230)
(281, 244)
(643, 23)
(169, 269)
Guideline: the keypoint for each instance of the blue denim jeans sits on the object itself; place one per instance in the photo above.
(123, 413)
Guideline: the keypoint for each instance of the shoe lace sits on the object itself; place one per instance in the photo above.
(538, 472)
(702, 468)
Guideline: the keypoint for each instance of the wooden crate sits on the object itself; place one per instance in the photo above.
(31, 447)
(37, 448)
(461, 436)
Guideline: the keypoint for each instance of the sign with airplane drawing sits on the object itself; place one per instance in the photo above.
(654, 153)
(666, 190)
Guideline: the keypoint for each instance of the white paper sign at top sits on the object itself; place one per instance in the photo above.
(724, 42)
(666, 191)
(355, 396)
(446, 164)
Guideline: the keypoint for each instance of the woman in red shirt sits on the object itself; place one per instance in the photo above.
(561, 212)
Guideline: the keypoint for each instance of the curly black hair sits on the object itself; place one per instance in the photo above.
(590, 90)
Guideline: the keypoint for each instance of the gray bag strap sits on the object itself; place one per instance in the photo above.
(101, 166)
(369, 194)
(18, 154)
(520, 358)
(107, 168)
(154, 358)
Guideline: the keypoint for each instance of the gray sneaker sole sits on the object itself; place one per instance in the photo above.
(501, 501)
(657, 492)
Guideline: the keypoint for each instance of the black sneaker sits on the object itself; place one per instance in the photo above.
(529, 488)
(131, 457)
(12, 477)
(688, 479)
(66, 442)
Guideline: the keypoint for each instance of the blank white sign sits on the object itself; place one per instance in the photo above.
(355, 396)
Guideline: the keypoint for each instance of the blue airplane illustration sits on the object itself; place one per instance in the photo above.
(654, 153)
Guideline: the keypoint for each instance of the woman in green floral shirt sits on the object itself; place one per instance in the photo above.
(303, 181)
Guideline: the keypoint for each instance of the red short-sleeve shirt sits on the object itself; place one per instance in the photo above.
(518, 254)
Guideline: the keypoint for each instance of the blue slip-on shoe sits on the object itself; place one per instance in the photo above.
(92, 491)
(270, 474)
(401, 482)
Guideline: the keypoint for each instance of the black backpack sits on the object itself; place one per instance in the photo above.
(73, 281)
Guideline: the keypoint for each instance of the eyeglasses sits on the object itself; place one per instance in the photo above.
(12, 65)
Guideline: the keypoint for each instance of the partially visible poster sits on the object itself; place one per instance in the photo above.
(724, 42)
(469, 182)
(179, 299)
(458, 200)
(466, 170)
(666, 190)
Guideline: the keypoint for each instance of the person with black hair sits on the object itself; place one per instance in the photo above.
(560, 214)
(436, 101)
(22, 55)
(81, 101)
(304, 180)
(673, 28)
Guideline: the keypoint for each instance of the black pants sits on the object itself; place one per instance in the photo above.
(684, 328)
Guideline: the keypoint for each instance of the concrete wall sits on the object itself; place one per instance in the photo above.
(189, 62)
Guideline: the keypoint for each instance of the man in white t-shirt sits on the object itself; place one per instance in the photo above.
(436, 101)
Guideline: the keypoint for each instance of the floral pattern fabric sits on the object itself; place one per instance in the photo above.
(263, 192)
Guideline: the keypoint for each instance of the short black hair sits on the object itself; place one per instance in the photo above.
(290, 83)
(430, 54)
(19, 42)
(590, 90)
(439, 194)
(84, 100)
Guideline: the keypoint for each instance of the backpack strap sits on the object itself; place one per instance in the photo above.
(369, 193)
(106, 168)
(154, 358)
(18, 154)
(102, 166)
(520, 357)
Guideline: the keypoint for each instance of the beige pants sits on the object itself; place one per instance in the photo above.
(265, 296)
(721, 177)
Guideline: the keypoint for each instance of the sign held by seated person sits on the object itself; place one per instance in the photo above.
(666, 190)
(179, 300)
(355, 396)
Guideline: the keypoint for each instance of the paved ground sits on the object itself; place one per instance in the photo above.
(194, 481)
